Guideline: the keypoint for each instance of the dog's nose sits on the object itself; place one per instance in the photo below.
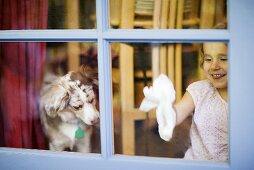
(95, 120)
(96, 123)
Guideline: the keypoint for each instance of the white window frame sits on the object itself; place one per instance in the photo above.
(241, 119)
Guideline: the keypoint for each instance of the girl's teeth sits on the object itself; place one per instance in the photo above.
(217, 75)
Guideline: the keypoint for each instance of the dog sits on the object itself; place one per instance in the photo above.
(68, 109)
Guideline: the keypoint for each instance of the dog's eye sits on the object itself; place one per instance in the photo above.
(91, 100)
(77, 107)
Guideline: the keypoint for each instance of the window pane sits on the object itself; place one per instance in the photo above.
(43, 107)
(51, 14)
(189, 66)
(169, 14)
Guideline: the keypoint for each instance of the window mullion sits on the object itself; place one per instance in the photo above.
(166, 35)
(48, 35)
(104, 64)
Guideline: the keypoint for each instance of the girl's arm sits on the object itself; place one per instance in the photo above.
(184, 108)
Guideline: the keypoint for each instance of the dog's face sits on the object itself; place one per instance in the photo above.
(72, 98)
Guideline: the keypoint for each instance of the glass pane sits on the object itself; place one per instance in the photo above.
(168, 14)
(198, 69)
(51, 14)
(50, 96)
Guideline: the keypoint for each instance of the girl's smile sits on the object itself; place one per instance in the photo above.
(218, 76)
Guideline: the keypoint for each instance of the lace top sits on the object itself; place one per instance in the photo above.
(209, 129)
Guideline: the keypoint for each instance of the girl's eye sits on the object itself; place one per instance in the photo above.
(224, 58)
(207, 58)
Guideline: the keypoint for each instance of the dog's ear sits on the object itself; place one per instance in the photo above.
(56, 99)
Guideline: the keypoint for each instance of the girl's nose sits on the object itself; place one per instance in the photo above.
(215, 64)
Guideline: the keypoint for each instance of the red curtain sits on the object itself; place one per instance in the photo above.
(21, 65)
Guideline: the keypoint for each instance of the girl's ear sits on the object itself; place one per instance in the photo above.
(56, 100)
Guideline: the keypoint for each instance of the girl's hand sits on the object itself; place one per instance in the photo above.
(161, 96)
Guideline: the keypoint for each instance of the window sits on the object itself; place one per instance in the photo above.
(239, 38)
(135, 66)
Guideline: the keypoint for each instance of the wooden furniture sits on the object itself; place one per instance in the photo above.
(72, 22)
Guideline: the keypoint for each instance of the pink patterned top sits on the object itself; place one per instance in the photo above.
(209, 129)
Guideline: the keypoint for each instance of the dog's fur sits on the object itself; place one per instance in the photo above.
(68, 103)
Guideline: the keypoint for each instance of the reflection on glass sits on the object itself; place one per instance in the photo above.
(43, 107)
(51, 14)
(173, 14)
(136, 65)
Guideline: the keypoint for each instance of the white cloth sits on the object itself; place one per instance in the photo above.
(161, 96)
(209, 129)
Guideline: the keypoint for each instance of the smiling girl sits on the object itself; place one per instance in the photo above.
(206, 102)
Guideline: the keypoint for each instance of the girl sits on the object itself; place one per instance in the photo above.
(206, 101)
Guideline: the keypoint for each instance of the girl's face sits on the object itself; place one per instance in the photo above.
(216, 64)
